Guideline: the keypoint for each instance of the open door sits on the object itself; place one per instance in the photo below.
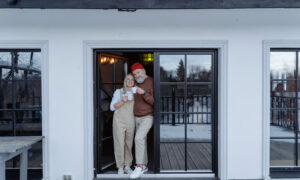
(110, 73)
(184, 136)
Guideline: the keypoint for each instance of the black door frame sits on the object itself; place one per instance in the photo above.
(156, 68)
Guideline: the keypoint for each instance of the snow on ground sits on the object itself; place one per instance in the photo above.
(195, 132)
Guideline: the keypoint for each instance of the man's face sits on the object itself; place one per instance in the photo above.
(139, 75)
(280, 88)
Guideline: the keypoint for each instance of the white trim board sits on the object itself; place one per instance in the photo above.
(43, 46)
(267, 45)
(88, 47)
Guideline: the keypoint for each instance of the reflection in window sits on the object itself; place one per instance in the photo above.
(21, 99)
(284, 87)
(186, 112)
(172, 68)
(282, 152)
(283, 103)
(283, 65)
(199, 67)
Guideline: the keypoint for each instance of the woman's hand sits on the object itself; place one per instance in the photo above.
(124, 98)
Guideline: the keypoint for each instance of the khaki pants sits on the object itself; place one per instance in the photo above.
(143, 125)
(123, 133)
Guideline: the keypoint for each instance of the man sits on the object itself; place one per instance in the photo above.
(143, 112)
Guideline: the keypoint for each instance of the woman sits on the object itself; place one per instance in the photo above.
(123, 124)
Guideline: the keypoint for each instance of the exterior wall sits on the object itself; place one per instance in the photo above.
(67, 29)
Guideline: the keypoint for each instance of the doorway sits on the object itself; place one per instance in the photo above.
(184, 134)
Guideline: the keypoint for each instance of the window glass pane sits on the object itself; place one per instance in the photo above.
(6, 123)
(35, 156)
(5, 66)
(5, 59)
(107, 156)
(283, 90)
(199, 152)
(120, 71)
(199, 156)
(199, 118)
(172, 118)
(172, 151)
(171, 133)
(29, 123)
(29, 60)
(6, 95)
(199, 67)
(106, 96)
(282, 65)
(282, 123)
(282, 152)
(172, 98)
(199, 98)
(5, 73)
(172, 68)
(106, 72)
(27, 74)
(172, 156)
(197, 132)
(283, 114)
(28, 94)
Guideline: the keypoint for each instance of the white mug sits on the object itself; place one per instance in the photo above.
(133, 90)
(130, 97)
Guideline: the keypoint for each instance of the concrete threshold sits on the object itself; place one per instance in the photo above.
(159, 176)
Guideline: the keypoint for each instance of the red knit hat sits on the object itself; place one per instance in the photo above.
(136, 66)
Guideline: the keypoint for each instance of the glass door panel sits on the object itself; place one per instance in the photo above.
(186, 111)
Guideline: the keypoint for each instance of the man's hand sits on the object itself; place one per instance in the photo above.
(140, 90)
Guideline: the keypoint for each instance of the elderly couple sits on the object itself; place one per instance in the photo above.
(133, 112)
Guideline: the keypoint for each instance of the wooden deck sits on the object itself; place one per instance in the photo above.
(282, 153)
(172, 156)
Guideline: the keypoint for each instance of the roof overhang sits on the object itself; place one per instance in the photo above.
(149, 4)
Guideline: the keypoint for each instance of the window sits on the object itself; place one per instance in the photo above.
(20, 100)
(284, 122)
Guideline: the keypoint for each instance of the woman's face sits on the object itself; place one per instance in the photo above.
(129, 81)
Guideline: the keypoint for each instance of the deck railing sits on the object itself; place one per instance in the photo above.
(198, 110)
(283, 111)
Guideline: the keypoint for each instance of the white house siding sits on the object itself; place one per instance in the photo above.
(66, 30)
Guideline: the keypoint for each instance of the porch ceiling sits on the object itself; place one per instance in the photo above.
(149, 4)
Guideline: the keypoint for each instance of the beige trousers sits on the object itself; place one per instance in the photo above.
(123, 133)
(143, 125)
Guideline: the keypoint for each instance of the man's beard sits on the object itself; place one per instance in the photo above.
(140, 79)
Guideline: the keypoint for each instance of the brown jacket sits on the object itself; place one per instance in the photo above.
(143, 104)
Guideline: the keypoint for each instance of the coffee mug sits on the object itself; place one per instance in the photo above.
(130, 97)
(133, 89)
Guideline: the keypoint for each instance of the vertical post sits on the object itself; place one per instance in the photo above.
(2, 170)
(23, 165)
(173, 106)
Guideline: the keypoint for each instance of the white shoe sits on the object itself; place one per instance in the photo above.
(145, 168)
(120, 171)
(127, 170)
(138, 171)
